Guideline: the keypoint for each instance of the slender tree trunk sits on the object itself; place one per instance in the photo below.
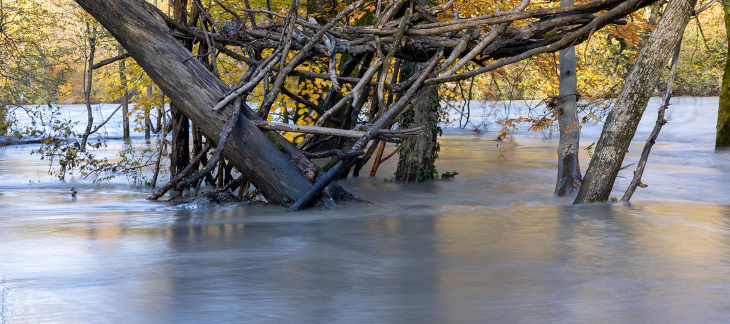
(195, 91)
(4, 125)
(125, 98)
(722, 138)
(161, 146)
(198, 146)
(87, 89)
(569, 177)
(147, 120)
(630, 105)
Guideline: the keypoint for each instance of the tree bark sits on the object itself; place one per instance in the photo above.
(569, 176)
(722, 139)
(195, 90)
(147, 120)
(321, 10)
(180, 148)
(87, 86)
(623, 119)
(125, 99)
(636, 181)
(418, 155)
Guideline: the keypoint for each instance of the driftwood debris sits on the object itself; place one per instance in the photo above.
(402, 31)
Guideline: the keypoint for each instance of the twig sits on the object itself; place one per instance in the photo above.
(88, 82)
(129, 93)
(351, 95)
(260, 74)
(386, 60)
(307, 103)
(307, 197)
(566, 40)
(376, 163)
(361, 161)
(703, 8)
(281, 76)
(225, 133)
(399, 133)
(180, 175)
(636, 181)
(297, 59)
(178, 181)
(110, 60)
(335, 152)
(389, 156)
(163, 138)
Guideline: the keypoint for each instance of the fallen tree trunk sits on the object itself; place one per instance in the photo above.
(194, 90)
(282, 178)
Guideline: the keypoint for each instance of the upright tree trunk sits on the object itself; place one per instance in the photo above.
(4, 125)
(623, 119)
(722, 138)
(125, 99)
(418, 155)
(147, 120)
(569, 177)
(180, 149)
(195, 91)
(87, 87)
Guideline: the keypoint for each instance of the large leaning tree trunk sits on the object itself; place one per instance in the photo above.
(722, 138)
(569, 176)
(195, 90)
(623, 119)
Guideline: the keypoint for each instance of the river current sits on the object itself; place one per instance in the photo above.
(493, 245)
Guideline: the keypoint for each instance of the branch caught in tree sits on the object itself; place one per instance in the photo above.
(110, 60)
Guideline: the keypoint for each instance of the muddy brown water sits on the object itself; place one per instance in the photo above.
(491, 246)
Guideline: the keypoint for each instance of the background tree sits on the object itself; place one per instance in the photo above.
(723, 114)
(569, 176)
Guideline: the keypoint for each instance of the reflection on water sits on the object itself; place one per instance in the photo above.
(492, 245)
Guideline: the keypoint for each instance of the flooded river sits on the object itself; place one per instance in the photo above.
(492, 245)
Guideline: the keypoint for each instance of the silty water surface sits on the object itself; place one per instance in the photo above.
(492, 245)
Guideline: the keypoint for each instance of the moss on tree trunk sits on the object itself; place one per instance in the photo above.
(418, 155)
(4, 125)
(723, 112)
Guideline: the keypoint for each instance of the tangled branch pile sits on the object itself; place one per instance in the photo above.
(447, 46)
